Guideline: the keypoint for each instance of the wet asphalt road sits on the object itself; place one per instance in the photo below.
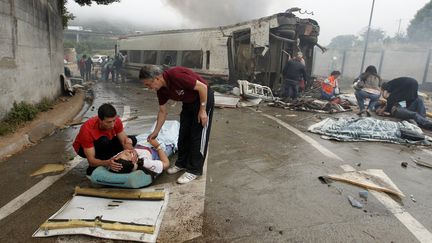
(262, 181)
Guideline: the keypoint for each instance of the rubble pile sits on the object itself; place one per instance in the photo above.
(312, 105)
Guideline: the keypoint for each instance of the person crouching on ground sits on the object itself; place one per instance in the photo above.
(182, 84)
(367, 86)
(403, 102)
(329, 85)
(143, 159)
(102, 137)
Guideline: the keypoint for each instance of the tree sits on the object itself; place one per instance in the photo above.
(375, 35)
(343, 42)
(69, 16)
(83, 47)
(420, 27)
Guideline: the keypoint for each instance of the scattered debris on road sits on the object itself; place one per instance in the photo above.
(422, 163)
(314, 105)
(364, 194)
(372, 179)
(354, 202)
(48, 168)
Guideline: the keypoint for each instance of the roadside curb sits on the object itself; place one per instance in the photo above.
(59, 115)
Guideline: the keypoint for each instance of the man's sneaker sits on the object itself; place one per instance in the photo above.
(186, 177)
(174, 169)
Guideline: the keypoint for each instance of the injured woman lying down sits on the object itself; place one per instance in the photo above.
(151, 159)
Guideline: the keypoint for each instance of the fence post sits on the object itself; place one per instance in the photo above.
(427, 66)
(381, 62)
(314, 60)
(343, 62)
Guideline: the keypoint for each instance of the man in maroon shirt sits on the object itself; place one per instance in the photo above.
(101, 137)
(182, 84)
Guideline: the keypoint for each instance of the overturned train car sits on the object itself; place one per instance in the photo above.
(255, 50)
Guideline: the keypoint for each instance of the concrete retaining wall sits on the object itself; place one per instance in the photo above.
(31, 51)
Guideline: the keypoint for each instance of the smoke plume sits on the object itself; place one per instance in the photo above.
(207, 13)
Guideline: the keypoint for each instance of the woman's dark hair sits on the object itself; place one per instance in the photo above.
(106, 110)
(371, 70)
(335, 73)
(127, 166)
(149, 72)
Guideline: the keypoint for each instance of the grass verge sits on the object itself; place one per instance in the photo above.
(21, 113)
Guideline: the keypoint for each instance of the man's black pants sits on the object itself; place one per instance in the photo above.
(193, 137)
(105, 149)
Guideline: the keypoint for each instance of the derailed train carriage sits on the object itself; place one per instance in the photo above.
(255, 50)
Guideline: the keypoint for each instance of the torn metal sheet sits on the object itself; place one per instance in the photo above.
(226, 101)
(368, 129)
(250, 102)
(371, 179)
(49, 168)
(109, 218)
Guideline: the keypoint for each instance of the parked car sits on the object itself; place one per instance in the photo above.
(97, 59)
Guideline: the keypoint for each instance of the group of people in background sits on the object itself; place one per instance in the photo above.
(397, 98)
(114, 66)
(85, 66)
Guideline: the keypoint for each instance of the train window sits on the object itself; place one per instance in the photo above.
(134, 56)
(149, 57)
(168, 58)
(192, 59)
(207, 60)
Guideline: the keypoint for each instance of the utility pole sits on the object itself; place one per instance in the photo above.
(367, 37)
(398, 32)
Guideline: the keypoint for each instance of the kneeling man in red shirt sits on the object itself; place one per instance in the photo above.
(101, 138)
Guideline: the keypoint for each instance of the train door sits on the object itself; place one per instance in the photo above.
(241, 59)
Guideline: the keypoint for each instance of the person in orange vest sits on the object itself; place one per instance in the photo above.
(329, 85)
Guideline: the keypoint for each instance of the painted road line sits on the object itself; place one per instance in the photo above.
(305, 137)
(417, 229)
(35, 190)
(41, 186)
(427, 151)
(126, 114)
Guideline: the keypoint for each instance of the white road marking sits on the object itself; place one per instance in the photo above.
(417, 229)
(126, 114)
(427, 151)
(41, 186)
(347, 168)
(305, 137)
(35, 190)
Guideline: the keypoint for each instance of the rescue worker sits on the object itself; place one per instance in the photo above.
(329, 85)
(182, 84)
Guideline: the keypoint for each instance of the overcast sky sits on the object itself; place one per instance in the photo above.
(335, 17)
